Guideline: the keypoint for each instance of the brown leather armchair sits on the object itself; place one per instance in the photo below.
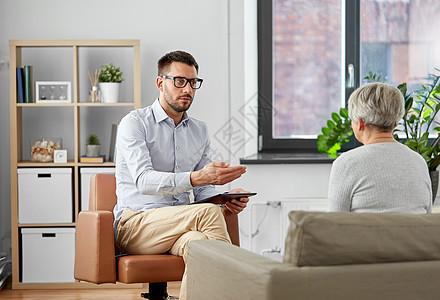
(96, 256)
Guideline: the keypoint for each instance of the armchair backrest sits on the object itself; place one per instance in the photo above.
(102, 192)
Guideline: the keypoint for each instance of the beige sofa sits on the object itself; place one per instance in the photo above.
(327, 256)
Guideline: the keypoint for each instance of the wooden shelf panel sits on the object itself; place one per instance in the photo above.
(68, 164)
(74, 104)
(43, 104)
(72, 43)
(47, 164)
(47, 225)
(105, 104)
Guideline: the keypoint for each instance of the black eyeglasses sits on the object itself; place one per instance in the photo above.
(180, 82)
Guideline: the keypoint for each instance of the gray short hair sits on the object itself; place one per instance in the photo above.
(377, 104)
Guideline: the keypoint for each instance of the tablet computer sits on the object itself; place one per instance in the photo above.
(222, 198)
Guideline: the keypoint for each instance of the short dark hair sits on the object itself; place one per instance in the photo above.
(178, 56)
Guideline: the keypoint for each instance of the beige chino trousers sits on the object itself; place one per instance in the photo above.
(171, 228)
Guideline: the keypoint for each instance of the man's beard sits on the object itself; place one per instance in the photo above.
(174, 104)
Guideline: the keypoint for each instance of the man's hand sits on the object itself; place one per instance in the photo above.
(217, 173)
(237, 205)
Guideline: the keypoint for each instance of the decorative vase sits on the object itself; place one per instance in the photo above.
(434, 183)
(109, 92)
(93, 150)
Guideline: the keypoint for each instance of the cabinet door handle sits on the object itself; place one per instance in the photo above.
(48, 235)
(44, 175)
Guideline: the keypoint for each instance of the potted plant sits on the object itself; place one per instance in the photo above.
(110, 78)
(93, 147)
(418, 121)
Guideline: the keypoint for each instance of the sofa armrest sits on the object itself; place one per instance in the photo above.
(95, 247)
(234, 273)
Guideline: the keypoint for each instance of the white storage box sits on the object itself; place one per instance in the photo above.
(48, 254)
(86, 175)
(45, 195)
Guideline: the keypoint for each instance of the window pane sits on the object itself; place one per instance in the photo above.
(399, 38)
(307, 66)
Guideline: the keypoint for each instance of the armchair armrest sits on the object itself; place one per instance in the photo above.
(95, 247)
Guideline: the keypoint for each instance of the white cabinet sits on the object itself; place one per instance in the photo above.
(45, 195)
(48, 254)
(86, 175)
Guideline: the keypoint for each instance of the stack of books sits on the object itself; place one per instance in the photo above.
(25, 84)
(92, 159)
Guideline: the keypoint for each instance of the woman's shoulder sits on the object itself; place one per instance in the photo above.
(371, 150)
(381, 150)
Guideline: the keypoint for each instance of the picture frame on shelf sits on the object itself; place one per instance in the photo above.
(53, 91)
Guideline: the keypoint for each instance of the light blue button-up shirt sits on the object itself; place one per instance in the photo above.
(154, 160)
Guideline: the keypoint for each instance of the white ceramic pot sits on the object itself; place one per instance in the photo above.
(93, 150)
(109, 92)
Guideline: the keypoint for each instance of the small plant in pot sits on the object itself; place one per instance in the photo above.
(110, 78)
(93, 147)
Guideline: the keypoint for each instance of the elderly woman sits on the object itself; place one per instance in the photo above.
(382, 175)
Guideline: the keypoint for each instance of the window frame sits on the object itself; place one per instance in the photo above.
(266, 142)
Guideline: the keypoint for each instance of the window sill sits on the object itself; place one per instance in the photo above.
(286, 158)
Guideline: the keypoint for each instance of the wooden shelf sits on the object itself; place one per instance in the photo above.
(18, 112)
(74, 43)
(47, 225)
(41, 105)
(44, 164)
(31, 164)
(106, 104)
(44, 104)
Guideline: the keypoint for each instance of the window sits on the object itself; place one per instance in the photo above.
(308, 49)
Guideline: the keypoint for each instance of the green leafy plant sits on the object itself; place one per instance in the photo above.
(421, 109)
(375, 77)
(337, 133)
(93, 140)
(109, 73)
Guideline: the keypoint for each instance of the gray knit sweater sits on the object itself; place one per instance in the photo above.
(382, 177)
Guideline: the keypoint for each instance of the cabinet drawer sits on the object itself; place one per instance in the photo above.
(45, 195)
(48, 254)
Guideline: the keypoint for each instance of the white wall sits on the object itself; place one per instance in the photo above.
(294, 186)
(211, 30)
(222, 35)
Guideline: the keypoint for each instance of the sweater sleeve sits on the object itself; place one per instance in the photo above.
(340, 192)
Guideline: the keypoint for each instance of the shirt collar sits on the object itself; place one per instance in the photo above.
(160, 114)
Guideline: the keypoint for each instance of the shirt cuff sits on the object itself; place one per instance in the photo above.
(183, 180)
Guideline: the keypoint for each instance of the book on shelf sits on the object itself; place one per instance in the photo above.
(92, 159)
(28, 84)
(20, 87)
(112, 153)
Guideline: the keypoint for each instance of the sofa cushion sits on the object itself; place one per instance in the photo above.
(340, 238)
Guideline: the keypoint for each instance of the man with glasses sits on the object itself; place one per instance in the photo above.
(163, 154)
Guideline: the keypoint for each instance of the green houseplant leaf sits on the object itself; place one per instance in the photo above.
(109, 73)
(336, 133)
(93, 140)
(418, 121)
